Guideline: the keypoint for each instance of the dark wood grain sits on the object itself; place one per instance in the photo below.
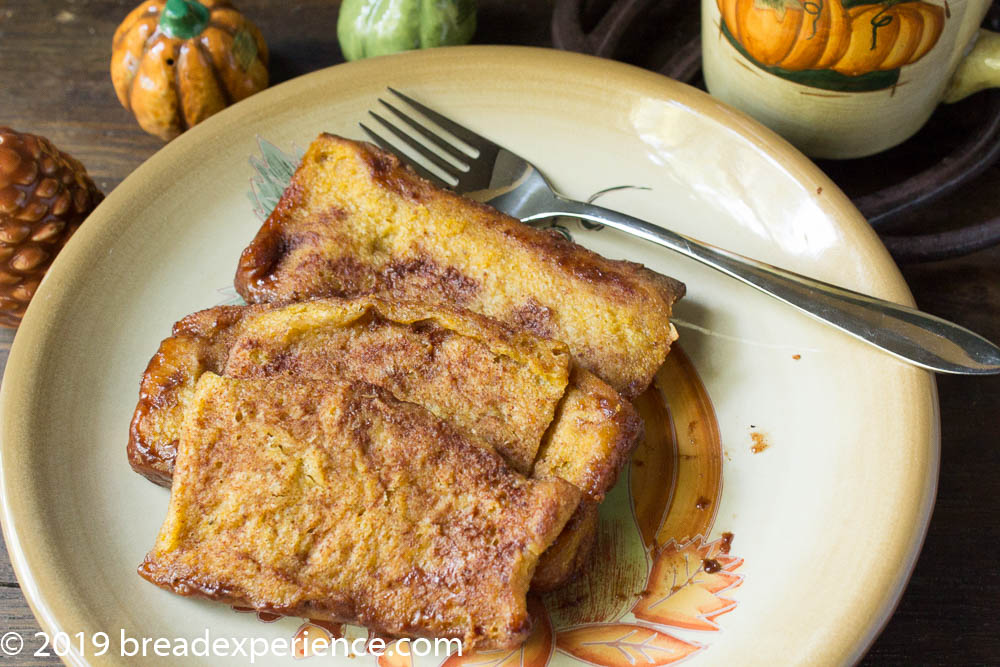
(948, 614)
(53, 63)
(16, 617)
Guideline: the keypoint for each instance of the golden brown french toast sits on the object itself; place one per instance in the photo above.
(334, 500)
(200, 342)
(513, 389)
(506, 386)
(497, 383)
(354, 221)
(590, 417)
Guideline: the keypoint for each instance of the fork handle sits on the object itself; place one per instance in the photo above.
(919, 338)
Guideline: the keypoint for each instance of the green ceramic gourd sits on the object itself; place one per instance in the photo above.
(378, 27)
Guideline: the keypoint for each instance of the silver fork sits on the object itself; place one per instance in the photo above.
(508, 182)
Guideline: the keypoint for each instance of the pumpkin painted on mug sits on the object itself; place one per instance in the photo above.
(174, 63)
(800, 35)
(789, 34)
(888, 36)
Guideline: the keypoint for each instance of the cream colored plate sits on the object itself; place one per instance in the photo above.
(827, 520)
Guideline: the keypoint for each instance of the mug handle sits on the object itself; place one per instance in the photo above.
(980, 69)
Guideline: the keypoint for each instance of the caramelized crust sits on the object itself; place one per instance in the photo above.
(334, 500)
(591, 438)
(568, 555)
(354, 221)
(200, 342)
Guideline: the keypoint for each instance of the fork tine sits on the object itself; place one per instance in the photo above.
(385, 145)
(481, 144)
(460, 156)
(427, 153)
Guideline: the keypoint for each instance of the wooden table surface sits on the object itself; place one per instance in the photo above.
(54, 81)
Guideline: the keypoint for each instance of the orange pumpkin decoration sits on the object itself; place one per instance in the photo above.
(820, 34)
(786, 33)
(886, 38)
(174, 63)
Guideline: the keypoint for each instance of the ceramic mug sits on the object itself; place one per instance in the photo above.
(846, 78)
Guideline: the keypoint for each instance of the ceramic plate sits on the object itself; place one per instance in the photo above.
(826, 448)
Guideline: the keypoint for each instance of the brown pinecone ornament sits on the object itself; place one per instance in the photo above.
(44, 196)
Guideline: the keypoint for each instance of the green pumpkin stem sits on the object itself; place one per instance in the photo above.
(183, 19)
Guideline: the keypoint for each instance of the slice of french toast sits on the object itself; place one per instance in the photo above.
(501, 384)
(334, 500)
(354, 221)
(504, 385)
(519, 392)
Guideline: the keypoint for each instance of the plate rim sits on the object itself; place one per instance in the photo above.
(108, 217)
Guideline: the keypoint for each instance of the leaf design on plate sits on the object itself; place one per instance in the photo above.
(686, 583)
(652, 469)
(262, 616)
(617, 572)
(596, 226)
(229, 297)
(624, 645)
(305, 639)
(554, 225)
(393, 658)
(274, 172)
(534, 652)
(559, 224)
(697, 446)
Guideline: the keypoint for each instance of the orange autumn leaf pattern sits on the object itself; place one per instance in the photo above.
(686, 585)
(304, 643)
(393, 657)
(682, 440)
(624, 645)
(534, 652)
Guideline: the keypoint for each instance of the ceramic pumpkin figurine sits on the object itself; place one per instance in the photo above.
(368, 28)
(174, 63)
